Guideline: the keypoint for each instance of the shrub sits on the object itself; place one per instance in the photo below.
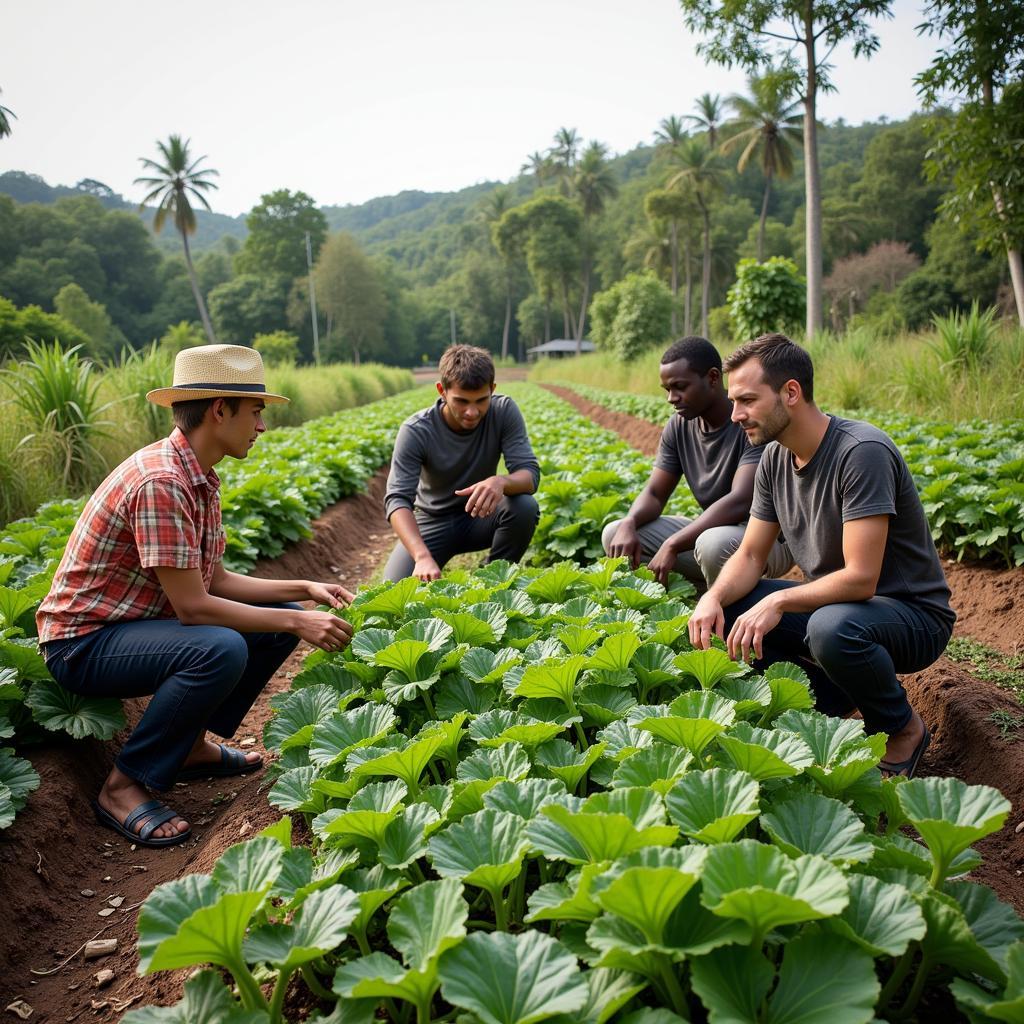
(632, 316)
(281, 348)
(769, 296)
(965, 339)
(31, 322)
(184, 334)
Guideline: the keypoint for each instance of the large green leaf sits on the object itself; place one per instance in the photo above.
(497, 727)
(602, 704)
(608, 992)
(605, 836)
(555, 583)
(693, 720)
(404, 838)
(810, 823)
(949, 814)
(509, 761)
(765, 753)
(428, 920)
(506, 979)
(732, 983)
(555, 677)
(390, 601)
(333, 739)
(842, 752)
(524, 798)
(17, 776)
(320, 925)
(300, 713)
(60, 710)
(1005, 1006)
(565, 762)
(760, 885)
(569, 900)
(709, 667)
(367, 815)
(485, 849)
(714, 806)
(615, 654)
(484, 666)
(407, 763)
(657, 767)
(881, 917)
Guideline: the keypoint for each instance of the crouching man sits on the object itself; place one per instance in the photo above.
(876, 601)
(444, 494)
(141, 603)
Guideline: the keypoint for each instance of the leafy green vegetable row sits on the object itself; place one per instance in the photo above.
(530, 800)
(589, 476)
(268, 500)
(970, 475)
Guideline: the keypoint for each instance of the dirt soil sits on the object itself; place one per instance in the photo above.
(55, 851)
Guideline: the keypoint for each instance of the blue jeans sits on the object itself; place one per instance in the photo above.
(852, 651)
(201, 677)
(507, 531)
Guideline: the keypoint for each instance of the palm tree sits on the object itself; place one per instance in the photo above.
(708, 117)
(593, 184)
(767, 122)
(671, 131)
(697, 168)
(492, 209)
(179, 178)
(563, 157)
(673, 207)
(539, 165)
(5, 122)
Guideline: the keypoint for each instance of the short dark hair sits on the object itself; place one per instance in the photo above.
(466, 366)
(700, 355)
(781, 359)
(189, 415)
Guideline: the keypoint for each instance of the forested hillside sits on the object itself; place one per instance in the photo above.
(395, 273)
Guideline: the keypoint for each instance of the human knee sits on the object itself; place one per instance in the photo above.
(222, 652)
(714, 548)
(523, 508)
(829, 632)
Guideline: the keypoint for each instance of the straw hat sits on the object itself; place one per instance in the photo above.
(215, 371)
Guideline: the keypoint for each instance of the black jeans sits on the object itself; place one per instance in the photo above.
(852, 651)
(201, 677)
(507, 531)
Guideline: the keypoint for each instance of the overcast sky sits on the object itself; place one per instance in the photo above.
(352, 99)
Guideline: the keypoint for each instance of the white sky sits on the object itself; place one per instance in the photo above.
(349, 100)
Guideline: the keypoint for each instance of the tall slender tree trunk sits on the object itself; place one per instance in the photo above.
(547, 314)
(688, 311)
(581, 323)
(192, 280)
(812, 182)
(764, 216)
(508, 317)
(674, 248)
(705, 283)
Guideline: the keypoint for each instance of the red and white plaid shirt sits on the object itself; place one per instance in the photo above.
(158, 508)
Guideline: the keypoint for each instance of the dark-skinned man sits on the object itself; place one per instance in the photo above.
(701, 443)
(444, 495)
(875, 601)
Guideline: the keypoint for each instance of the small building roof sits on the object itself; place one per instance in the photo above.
(563, 345)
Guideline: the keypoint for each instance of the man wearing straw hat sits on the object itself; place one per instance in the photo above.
(141, 603)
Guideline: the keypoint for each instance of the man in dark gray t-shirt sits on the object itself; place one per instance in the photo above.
(875, 601)
(444, 495)
(701, 443)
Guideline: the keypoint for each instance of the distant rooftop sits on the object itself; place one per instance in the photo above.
(562, 346)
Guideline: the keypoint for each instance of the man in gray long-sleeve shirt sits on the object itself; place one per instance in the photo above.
(444, 495)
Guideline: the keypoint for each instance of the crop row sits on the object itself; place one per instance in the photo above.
(530, 799)
(268, 501)
(970, 475)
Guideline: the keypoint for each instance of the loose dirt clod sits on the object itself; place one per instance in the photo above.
(20, 1009)
(101, 979)
(106, 912)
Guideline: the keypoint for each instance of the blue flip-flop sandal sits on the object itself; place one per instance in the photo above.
(232, 762)
(152, 814)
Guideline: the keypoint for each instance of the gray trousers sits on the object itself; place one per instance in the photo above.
(713, 549)
(507, 531)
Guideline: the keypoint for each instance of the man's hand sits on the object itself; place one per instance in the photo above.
(626, 543)
(664, 562)
(749, 630)
(707, 619)
(324, 630)
(483, 497)
(332, 594)
(426, 569)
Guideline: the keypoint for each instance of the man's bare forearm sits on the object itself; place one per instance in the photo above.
(519, 482)
(403, 522)
(738, 577)
(234, 586)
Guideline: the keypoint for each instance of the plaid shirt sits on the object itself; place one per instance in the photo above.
(158, 508)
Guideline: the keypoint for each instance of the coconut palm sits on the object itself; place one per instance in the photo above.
(5, 120)
(697, 168)
(671, 131)
(562, 156)
(492, 209)
(767, 125)
(179, 178)
(708, 117)
(593, 184)
(539, 165)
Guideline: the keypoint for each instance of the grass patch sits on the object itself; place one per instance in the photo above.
(1005, 670)
(1007, 724)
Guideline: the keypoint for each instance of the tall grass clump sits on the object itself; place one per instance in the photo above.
(965, 340)
(127, 383)
(59, 394)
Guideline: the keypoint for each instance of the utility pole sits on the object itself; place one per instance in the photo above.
(312, 301)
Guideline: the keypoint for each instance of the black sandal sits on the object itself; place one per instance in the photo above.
(152, 814)
(908, 767)
(232, 762)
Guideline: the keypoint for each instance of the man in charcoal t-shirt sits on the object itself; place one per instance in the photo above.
(444, 496)
(875, 602)
(701, 443)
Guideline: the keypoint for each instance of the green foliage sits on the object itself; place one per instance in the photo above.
(276, 243)
(766, 297)
(92, 319)
(184, 334)
(31, 324)
(351, 291)
(280, 348)
(632, 316)
(965, 340)
(247, 306)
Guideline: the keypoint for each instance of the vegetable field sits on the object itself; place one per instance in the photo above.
(521, 796)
